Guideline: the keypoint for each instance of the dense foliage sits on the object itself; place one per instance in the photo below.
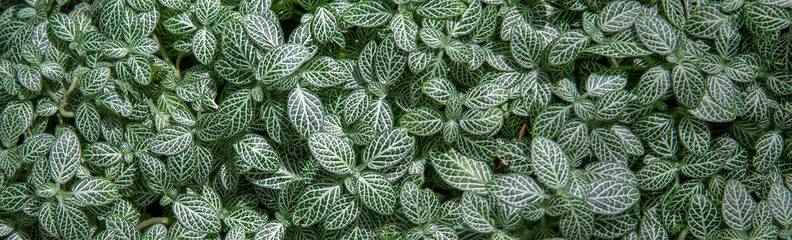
(395, 119)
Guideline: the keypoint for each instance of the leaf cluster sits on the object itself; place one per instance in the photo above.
(395, 119)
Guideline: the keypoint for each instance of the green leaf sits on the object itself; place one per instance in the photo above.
(238, 108)
(264, 30)
(171, 141)
(15, 120)
(422, 122)
(612, 104)
(574, 140)
(481, 122)
(256, 152)
(376, 193)
(180, 24)
(94, 81)
(768, 151)
(440, 9)
(345, 211)
(73, 222)
(738, 207)
(65, 157)
(389, 149)
(768, 17)
(654, 84)
(485, 96)
(655, 176)
(121, 228)
(92, 191)
(598, 85)
(705, 21)
(433, 38)
(314, 204)
(702, 166)
(192, 164)
(9, 163)
(62, 26)
(355, 104)
(245, 219)
(206, 11)
(145, 46)
(367, 14)
(196, 214)
(419, 205)
(689, 85)
(476, 213)
(631, 143)
(323, 25)
(204, 46)
(271, 231)
(47, 219)
(550, 122)
(611, 197)
(305, 112)
(142, 5)
(30, 78)
(281, 62)
(578, 222)
(324, 72)
(333, 153)
(15, 197)
(702, 217)
(618, 15)
(657, 34)
(566, 48)
(651, 227)
(695, 135)
(155, 173)
(389, 62)
(517, 190)
(439, 89)
(527, 45)
(405, 31)
(87, 120)
(35, 148)
(462, 172)
(550, 163)
(780, 199)
(379, 116)
(712, 111)
(471, 18)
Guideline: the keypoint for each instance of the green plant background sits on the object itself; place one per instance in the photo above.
(395, 119)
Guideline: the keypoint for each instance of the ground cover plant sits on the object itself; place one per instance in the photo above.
(395, 119)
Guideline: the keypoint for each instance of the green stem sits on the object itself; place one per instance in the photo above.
(55, 99)
(50, 5)
(156, 220)
(683, 234)
(178, 63)
(613, 62)
(65, 100)
(154, 108)
(167, 58)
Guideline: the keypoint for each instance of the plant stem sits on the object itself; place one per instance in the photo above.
(613, 62)
(683, 234)
(155, 220)
(50, 5)
(522, 131)
(167, 58)
(65, 100)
